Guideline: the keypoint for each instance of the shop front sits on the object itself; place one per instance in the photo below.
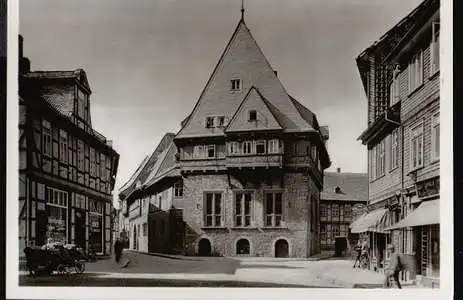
(371, 226)
(422, 225)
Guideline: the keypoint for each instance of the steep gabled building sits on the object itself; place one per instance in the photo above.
(252, 160)
(400, 75)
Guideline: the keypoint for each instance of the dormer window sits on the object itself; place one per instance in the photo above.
(235, 84)
(252, 115)
(337, 190)
(221, 121)
(209, 122)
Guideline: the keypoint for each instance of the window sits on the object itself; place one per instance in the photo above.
(314, 153)
(63, 146)
(416, 147)
(381, 157)
(221, 121)
(213, 209)
(80, 155)
(247, 147)
(211, 151)
(335, 210)
(273, 209)
(343, 231)
(57, 197)
(260, 147)
(243, 202)
(92, 162)
(323, 210)
(233, 148)
(178, 189)
(435, 137)
(46, 138)
(435, 63)
(103, 162)
(394, 157)
(394, 88)
(209, 122)
(323, 233)
(252, 115)
(273, 146)
(145, 229)
(235, 84)
(415, 72)
(198, 151)
(347, 211)
(372, 163)
(335, 230)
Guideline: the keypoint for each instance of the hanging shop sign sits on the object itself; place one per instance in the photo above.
(428, 188)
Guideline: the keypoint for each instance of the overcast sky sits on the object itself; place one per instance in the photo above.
(147, 61)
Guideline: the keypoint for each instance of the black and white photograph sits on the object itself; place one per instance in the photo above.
(228, 144)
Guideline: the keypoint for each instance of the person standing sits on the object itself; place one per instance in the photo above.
(393, 269)
(358, 250)
(118, 249)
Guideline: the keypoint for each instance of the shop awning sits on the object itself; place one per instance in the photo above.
(427, 213)
(371, 222)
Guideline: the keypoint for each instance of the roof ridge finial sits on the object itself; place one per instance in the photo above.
(242, 9)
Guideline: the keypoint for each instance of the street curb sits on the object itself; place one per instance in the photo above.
(162, 255)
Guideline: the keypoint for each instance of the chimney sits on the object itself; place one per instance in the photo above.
(338, 170)
(24, 62)
(275, 72)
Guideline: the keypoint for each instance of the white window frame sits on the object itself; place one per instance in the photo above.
(209, 147)
(80, 155)
(46, 138)
(198, 151)
(242, 213)
(261, 142)
(220, 121)
(178, 189)
(382, 158)
(244, 147)
(394, 150)
(415, 72)
(394, 88)
(63, 146)
(233, 148)
(235, 84)
(213, 213)
(373, 163)
(416, 134)
(274, 215)
(212, 120)
(435, 44)
(273, 146)
(249, 115)
(435, 131)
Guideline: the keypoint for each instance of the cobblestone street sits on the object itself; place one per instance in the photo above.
(148, 270)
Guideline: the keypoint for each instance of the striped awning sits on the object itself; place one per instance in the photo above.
(373, 221)
(427, 213)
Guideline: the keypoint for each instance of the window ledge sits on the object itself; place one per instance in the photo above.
(214, 228)
(393, 169)
(434, 74)
(415, 90)
(378, 178)
(435, 160)
(244, 228)
(274, 227)
(414, 170)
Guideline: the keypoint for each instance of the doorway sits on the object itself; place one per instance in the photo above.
(281, 248)
(242, 247)
(204, 248)
(79, 228)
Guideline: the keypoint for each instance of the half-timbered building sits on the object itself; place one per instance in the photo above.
(67, 169)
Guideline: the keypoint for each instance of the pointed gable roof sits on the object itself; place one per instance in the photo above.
(165, 163)
(241, 59)
(266, 114)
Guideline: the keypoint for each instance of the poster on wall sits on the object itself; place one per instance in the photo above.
(56, 228)
(95, 232)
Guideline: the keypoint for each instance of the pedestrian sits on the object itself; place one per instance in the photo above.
(393, 268)
(118, 249)
(365, 248)
(358, 250)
